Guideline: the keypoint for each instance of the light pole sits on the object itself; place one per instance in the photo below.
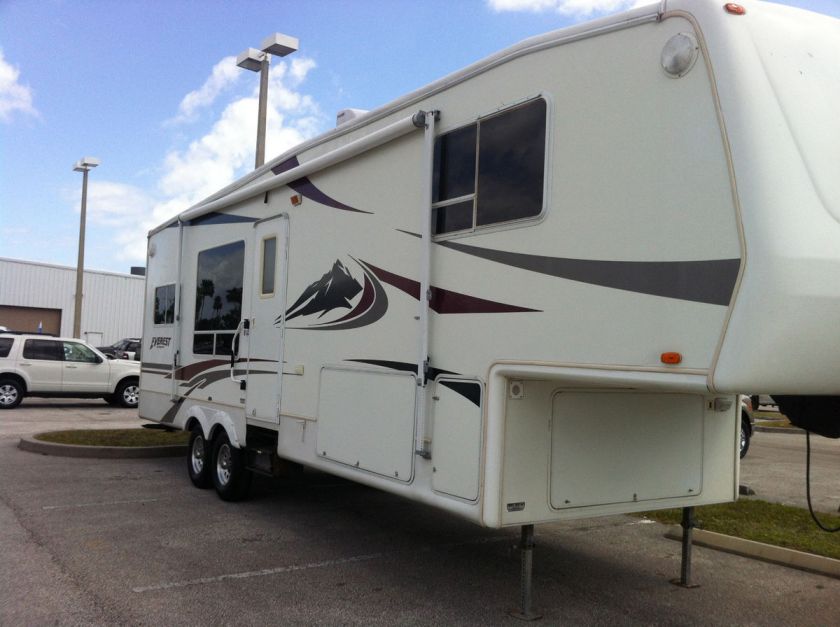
(83, 165)
(258, 61)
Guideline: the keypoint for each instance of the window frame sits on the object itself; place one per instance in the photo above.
(515, 222)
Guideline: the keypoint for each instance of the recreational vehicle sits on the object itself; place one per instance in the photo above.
(529, 291)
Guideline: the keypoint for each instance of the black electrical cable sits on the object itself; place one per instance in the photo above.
(808, 485)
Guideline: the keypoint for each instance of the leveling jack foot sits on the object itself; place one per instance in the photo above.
(685, 567)
(526, 551)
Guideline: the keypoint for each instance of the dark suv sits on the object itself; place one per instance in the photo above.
(124, 349)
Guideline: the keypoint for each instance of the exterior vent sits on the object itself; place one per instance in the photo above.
(347, 115)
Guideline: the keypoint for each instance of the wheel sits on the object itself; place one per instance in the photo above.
(11, 393)
(745, 438)
(230, 477)
(127, 393)
(198, 459)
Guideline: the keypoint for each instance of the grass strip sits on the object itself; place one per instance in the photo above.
(770, 523)
(115, 437)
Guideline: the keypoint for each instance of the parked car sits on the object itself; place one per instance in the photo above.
(746, 424)
(124, 349)
(35, 365)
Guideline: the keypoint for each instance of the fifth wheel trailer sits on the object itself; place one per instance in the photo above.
(532, 290)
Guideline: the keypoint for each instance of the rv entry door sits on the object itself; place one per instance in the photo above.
(262, 343)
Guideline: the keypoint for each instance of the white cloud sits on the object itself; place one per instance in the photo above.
(576, 8)
(13, 95)
(225, 73)
(212, 161)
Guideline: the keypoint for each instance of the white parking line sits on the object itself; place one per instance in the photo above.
(298, 567)
(74, 505)
(259, 573)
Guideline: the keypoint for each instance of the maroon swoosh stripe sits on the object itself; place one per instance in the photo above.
(307, 188)
(446, 301)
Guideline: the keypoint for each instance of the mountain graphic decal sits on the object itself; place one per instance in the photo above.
(333, 290)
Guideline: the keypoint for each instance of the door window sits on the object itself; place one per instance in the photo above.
(79, 353)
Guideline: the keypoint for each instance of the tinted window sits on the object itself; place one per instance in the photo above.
(5, 346)
(504, 182)
(454, 217)
(454, 168)
(43, 349)
(165, 304)
(203, 343)
(269, 259)
(79, 352)
(511, 164)
(218, 298)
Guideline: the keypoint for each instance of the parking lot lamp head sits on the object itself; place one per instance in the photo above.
(83, 165)
(278, 45)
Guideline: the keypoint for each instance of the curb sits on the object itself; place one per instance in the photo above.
(818, 564)
(100, 452)
(787, 430)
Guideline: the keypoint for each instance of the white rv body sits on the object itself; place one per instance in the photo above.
(515, 372)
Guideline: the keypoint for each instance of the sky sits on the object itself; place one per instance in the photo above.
(150, 87)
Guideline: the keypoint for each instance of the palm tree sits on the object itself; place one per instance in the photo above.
(205, 289)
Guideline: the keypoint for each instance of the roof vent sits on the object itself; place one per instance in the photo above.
(347, 115)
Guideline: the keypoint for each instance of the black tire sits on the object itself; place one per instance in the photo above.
(11, 393)
(127, 393)
(231, 478)
(199, 464)
(746, 434)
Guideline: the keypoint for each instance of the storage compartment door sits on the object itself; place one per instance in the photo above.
(366, 420)
(456, 438)
(624, 447)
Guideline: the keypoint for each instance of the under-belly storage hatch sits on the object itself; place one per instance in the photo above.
(624, 447)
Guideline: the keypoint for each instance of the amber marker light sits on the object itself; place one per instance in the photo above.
(670, 358)
(734, 9)
(296, 200)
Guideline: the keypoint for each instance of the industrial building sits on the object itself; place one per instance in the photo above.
(38, 296)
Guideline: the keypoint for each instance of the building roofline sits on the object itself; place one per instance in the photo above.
(73, 268)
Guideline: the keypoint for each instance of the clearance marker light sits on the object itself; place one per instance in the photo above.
(670, 358)
(734, 9)
(296, 200)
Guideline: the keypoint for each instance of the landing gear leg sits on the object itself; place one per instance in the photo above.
(526, 551)
(685, 567)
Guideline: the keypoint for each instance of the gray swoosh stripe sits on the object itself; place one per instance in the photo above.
(711, 281)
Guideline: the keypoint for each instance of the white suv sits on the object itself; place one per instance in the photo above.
(39, 365)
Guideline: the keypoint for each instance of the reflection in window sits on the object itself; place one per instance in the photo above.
(218, 298)
(491, 171)
(165, 304)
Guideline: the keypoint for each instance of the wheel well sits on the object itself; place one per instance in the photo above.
(129, 379)
(16, 377)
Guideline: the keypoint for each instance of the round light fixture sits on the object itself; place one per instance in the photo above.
(679, 55)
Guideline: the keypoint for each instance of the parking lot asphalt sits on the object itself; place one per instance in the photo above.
(104, 542)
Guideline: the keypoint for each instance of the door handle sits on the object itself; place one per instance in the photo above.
(73, 367)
